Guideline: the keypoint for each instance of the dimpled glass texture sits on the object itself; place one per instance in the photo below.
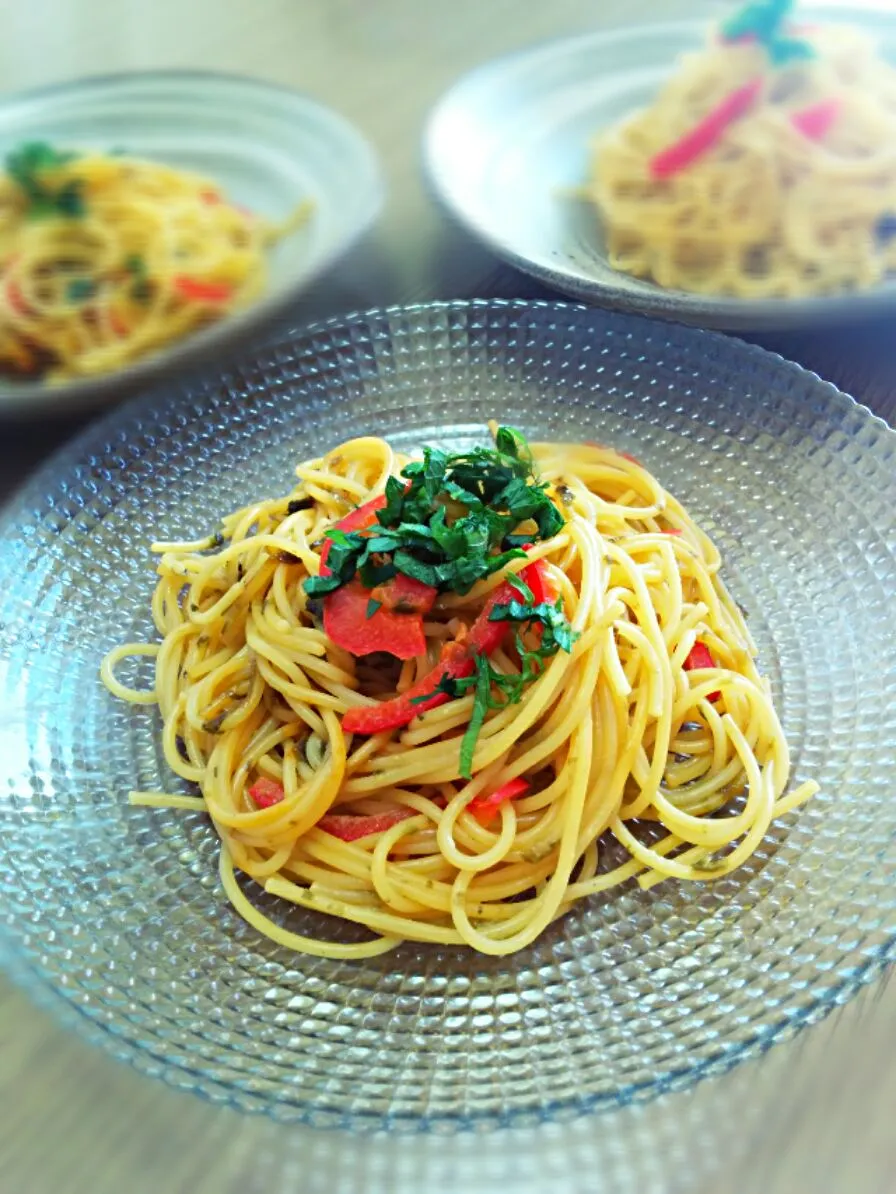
(114, 916)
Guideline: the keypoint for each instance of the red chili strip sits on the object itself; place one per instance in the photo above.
(698, 658)
(816, 121)
(457, 661)
(484, 807)
(707, 134)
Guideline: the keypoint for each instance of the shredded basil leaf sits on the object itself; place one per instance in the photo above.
(516, 582)
(450, 521)
(28, 166)
(481, 702)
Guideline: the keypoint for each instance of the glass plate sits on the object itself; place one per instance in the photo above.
(118, 910)
(506, 148)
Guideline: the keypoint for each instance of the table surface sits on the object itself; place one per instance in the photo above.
(813, 1115)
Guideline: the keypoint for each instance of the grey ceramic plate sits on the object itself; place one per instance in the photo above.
(115, 914)
(507, 144)
(268, 146)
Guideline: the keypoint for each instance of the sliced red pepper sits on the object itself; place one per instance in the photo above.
(671, 530)
(707, 134)
(210, 197)
(484, 807)
(364, 516)
(349, 827)
(198, 291)
(816, 121)
(394, 627)
(405, 595)
(15, 298)
(266, 792)
(457, 661)
(118, 324)
(699, 657)
(346, 623)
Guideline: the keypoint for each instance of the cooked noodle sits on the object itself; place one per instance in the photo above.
(613, 736)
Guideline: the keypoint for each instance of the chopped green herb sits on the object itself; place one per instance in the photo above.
(481, 704)
(516, 582)
(372, 606)
(765, 20)
(556, 635)
(141, 289)
(556, 631)
(28, 166)
(135, 264)
(80, 289)
(452, 521)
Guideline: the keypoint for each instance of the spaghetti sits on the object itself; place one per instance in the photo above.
(585, 707)
(107, 258)
(764, 168)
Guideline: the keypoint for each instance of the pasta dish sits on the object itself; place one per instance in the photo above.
(106, 258)
(764, 168)
(448, 698)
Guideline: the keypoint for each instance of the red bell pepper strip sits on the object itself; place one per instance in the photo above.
(817, 120)
(349, 827)
(15, 298)
(707, 134)
(671, 530)
(457, 661)
(198, 291)
(397, 627)
(401, 634)
(484, 807)
(700, 657)
(210, 197)
(364, 516)
(266, 792)
(346, 826)
(118, 324)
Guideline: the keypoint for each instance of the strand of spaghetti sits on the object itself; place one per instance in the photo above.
(284, 937)
(107, 671)
(166, 800)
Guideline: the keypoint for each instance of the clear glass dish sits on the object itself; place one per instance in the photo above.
(115, 913)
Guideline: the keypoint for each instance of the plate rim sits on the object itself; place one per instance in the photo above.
(121, 414)
(71, 397)
(722, 312)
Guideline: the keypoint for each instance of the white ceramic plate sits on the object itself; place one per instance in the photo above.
(506, 145)
(267, 146)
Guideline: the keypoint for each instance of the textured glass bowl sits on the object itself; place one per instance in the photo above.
(116, 913)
